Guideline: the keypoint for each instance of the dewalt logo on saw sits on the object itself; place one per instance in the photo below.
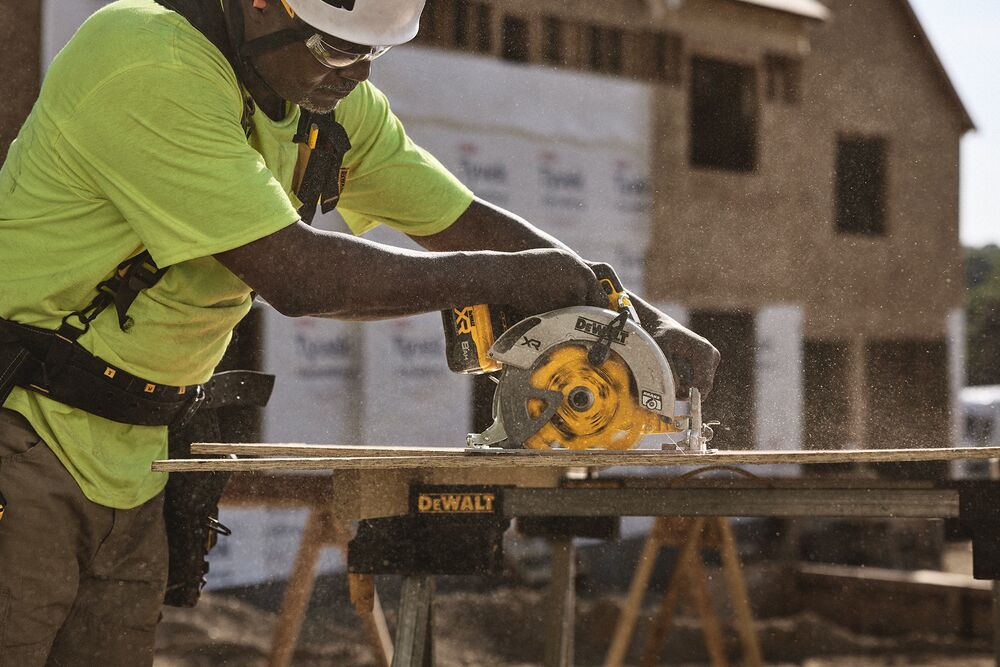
(455, 503)
(597, 329)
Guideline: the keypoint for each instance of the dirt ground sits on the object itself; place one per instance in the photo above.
(500, 628)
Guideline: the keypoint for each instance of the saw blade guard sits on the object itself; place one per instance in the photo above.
(551, 395)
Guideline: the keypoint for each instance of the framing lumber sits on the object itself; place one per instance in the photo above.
(397, 458)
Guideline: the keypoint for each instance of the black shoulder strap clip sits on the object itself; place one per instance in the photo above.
(135, 274)
(121, 289)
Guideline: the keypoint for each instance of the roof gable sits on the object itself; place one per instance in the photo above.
(939, 70)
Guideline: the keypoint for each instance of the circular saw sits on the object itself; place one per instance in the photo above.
(586, 378)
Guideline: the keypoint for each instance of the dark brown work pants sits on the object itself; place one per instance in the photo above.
(80, 583)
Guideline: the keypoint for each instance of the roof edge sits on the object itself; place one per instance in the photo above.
(810, 9)
(921, 34)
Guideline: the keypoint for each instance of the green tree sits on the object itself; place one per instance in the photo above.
(982, 280)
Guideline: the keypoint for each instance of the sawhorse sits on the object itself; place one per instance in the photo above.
(321, 531)
(691, 534)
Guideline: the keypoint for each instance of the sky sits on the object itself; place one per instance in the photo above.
(966, 36)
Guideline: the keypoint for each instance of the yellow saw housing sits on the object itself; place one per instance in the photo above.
(599, 409)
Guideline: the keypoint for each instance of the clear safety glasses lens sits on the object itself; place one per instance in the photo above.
(335, 58)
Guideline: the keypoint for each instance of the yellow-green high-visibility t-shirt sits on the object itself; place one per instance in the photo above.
(135, 142)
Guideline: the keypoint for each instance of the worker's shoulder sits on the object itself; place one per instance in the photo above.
(137, 34)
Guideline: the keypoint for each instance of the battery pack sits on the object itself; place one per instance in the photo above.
(469, 332)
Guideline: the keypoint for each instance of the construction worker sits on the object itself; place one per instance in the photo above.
(162, 176)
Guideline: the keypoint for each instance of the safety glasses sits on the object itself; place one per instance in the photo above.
(334, 58)
(329, 55)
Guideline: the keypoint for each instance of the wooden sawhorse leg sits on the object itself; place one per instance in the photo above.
(368, 607)
(321, 530)
(689, 574)
(738, 596)
(633, 603)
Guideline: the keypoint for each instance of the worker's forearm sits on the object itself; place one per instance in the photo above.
(484, 225)
(304, 271)
(367, 281)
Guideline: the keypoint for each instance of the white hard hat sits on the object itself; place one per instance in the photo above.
(368, 22)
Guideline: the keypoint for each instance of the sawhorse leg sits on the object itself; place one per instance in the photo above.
(368, 607)
(561, 605)
(414, 640)
(664, 617)
(689, 574)
(299, 589)
(633, 603)
(322, 530)
(738, 596)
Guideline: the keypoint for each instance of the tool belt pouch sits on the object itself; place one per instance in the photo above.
(191, 503)
(191, 513)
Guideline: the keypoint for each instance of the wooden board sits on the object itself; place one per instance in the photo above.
(456, 459)
(297, 449)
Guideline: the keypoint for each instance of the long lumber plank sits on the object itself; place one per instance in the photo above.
(291, 450)
(305, 450)
(564, 459)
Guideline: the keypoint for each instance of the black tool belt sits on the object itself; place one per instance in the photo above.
(50, 363)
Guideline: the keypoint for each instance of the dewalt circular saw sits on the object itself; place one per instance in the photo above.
(577, 378)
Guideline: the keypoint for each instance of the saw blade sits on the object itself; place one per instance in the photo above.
(564, 401)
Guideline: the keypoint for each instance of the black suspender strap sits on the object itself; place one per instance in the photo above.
(208, 18)
(121, 289)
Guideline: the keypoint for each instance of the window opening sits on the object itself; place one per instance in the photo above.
(666, 58)
(552, 34)
(978, 430)
(783, 78)
(514, 39)
(860, 185)
(461, 24)
(484, 31)
(723, 115)
(604, 47)
(428, 22)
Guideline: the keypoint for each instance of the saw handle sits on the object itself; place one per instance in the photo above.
(618, 298)
(609, 281)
